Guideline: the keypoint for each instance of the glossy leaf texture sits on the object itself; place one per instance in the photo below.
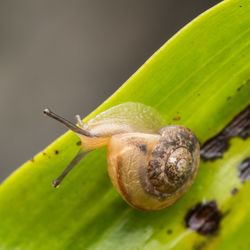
(200, 79)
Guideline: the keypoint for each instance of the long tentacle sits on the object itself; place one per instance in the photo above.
(68, 124)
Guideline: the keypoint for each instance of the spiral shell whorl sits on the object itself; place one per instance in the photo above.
(174, 163)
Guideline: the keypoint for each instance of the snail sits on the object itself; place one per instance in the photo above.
(150, 165)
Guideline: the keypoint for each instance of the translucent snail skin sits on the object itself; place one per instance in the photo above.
(151, 166)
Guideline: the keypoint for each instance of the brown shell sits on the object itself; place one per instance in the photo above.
(152, 171)
(174, 163)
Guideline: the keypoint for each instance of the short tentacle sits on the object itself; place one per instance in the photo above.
(81, 153)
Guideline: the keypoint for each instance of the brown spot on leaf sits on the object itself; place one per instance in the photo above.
(238, 89)
(204, 218)
(200, 245)
(216, 146)
(234, 191)
(243, 85)
(244, 170)
(169, 231)
(228, 98)
(177, 118)
(32, 159)
(79, 143)
(44, 153)
(56, 152)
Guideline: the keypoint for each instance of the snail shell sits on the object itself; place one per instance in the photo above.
(153, 170)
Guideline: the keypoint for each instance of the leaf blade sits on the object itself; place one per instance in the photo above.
(86, 212)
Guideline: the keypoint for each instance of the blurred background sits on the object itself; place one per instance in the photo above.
(71, 56)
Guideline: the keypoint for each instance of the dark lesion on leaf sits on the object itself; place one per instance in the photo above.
(234, 191)
(244, 170)
(176, 118)
(200, 245)
(216, 146)
(243, 85)
(204, 218)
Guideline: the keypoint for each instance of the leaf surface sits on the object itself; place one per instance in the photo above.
(200, 79)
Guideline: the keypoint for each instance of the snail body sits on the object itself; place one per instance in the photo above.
(151, 166)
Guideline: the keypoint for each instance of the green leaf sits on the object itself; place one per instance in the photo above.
(201, 76)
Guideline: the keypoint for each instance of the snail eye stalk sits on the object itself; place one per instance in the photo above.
(67, 123)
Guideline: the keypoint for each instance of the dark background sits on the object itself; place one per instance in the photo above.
(71, 56)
